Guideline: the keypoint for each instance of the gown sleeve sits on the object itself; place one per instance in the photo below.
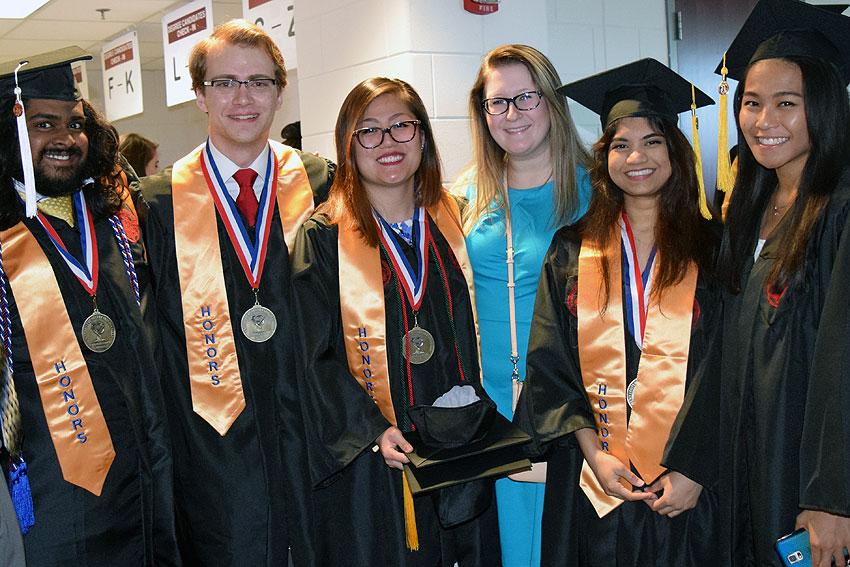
(693, 447)
(825, 447)
(340, 419)
(553, 402)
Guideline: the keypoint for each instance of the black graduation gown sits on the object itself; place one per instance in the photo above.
(358, 498)
(238, 499)
(786, 382)
(554, 405)
(131, 522)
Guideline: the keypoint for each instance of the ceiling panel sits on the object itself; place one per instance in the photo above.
(22, 48)
(86, 10)
(59, 29)
(8, 25)
(76, 22)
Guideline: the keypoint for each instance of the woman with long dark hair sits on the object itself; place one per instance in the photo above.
(623, 331)
(786, 362)
(381, 284)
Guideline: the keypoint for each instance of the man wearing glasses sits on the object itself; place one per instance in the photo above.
(219, 226)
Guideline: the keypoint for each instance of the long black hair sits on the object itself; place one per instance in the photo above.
(828, 122)
(681, 235)
(102, 197)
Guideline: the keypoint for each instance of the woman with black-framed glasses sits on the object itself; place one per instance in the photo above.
(381, 293)
(528, 170)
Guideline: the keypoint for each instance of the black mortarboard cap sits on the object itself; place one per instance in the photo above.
(787, 28)
(492, 447)
(47, 75)
(642, 88)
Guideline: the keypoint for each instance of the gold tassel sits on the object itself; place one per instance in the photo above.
(703, 202)
(410, 531)
(725, 176)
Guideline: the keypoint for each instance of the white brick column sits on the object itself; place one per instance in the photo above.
(437, 47)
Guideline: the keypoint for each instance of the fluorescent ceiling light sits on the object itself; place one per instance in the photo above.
(20, 8)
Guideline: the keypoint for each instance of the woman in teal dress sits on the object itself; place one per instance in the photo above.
(527, 160)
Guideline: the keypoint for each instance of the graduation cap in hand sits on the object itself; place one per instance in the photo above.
(454, 445)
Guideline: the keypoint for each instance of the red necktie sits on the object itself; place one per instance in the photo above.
(246, 202)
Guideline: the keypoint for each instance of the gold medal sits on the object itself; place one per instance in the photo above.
(98, 332)
(421, 345)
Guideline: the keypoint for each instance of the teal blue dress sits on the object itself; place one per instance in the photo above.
(520, 504)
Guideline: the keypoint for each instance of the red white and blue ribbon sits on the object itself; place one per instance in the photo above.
(252, 256)
(413, 281)
(86, 271)
(638, 283)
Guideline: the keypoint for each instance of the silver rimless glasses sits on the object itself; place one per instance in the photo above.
(524, 101)
(260, 85)
(401, 132)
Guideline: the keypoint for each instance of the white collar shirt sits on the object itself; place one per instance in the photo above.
(227, 168)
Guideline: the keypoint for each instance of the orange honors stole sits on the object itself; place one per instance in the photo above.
(364, 325)
(361, 298)
(661, 373)
(77, 427)
(210, 346)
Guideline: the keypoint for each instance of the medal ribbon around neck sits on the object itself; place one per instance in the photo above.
(86, 274)
(662, 371)
(251, 256)
(413, 285)
(77, 426)
(638, 297)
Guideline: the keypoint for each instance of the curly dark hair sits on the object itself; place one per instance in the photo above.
(102, 164)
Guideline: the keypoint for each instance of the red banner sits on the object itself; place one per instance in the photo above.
(187, 25)
(117, 55)
(254, 3)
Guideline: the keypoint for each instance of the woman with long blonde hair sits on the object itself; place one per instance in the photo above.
(528, 173)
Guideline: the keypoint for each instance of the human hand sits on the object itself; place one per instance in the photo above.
(611, 472)
(389, 444)
(829, 536)
(680, 494)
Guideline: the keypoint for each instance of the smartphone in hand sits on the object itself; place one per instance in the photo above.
(794, 549)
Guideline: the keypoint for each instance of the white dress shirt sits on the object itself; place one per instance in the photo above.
(227, 168)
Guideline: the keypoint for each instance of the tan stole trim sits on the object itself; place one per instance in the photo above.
(661, 373)
(214, 377)
(361, 299)
(294, 193)
(76, 423)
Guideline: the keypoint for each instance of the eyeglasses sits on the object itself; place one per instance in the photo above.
(523, 101)
(401, 132)
(256, 86)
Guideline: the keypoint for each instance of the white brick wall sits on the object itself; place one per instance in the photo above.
(437, 47)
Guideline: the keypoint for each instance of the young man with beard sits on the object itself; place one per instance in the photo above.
(219, 228)
(85, 445)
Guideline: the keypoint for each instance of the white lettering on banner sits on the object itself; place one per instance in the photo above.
(182, 28)
(122, 77)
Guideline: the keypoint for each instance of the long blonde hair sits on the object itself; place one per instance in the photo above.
(490, 161)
